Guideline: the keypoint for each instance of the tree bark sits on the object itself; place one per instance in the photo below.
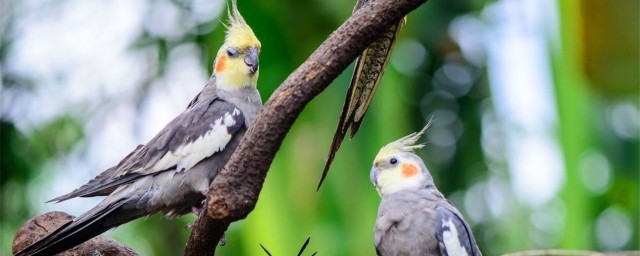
(40, 226)
(234, 192)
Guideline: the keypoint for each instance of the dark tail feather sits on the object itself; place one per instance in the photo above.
(83, 228)
(341, 131)
(98, 186)
(103, 184)
(355, 126)
(87, 188)
(335, 145)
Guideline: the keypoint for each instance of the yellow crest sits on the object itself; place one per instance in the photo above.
(239, 34)
(404, 144)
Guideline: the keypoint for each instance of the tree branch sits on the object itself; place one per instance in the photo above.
(234, 192)
(40, 226)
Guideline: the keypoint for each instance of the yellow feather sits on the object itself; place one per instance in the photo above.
(404, 144)
(233, 73)
(239, 34)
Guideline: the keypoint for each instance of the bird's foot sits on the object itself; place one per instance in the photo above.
(196, 210)
(223, 239)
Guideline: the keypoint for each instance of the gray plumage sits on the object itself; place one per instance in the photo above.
(414, 218)
(411, 223)
(170, 174)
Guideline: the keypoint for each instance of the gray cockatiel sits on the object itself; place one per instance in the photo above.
(414, 218)
(172, 172)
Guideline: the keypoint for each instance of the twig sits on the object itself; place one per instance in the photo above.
(304, 246)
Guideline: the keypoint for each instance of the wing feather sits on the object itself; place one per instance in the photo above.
(187, 139)
(197, 133)
(453, 233)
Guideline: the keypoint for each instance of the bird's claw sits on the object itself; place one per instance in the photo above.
(196, 210)
(223, 239)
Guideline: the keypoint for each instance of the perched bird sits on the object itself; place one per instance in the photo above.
(366, 77)
(414, 218)
(172, 172)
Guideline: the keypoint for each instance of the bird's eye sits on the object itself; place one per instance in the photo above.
(232, 51)
(393, 160)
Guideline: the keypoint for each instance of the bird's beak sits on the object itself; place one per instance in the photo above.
(374, 175)
(251, 60)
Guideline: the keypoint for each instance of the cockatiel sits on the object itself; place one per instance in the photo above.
(172, 172)
(414, 218)
(366, 77)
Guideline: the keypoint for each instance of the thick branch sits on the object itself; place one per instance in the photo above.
(234, 192)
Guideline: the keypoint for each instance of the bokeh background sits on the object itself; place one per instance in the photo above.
(536, 108)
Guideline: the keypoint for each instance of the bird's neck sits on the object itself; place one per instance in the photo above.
(247, 99)
(230, 80)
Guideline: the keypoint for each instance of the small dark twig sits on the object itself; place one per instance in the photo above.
(304, 246)
(265, 250)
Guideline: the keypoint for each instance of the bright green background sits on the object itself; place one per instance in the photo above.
(588, 78)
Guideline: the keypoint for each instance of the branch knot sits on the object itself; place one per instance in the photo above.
(218, 208)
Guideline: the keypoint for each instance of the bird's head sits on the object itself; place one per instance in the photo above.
(397, 168)
(236, 64)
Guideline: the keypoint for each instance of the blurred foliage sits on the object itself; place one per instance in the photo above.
(22, 158)
(340, 217)
(608, 61)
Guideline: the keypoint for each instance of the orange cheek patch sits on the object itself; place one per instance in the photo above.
(220, 63)
(409, 170)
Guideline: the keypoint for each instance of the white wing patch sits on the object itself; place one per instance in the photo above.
(228, 119)
(187, 156)
(451, 240)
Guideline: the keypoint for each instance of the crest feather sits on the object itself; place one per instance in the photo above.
(235, 18)
(406, 143)
(239, 34)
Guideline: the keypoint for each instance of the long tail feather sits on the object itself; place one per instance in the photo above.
(99, 186)
(341, 131)
(366, 77)
(103, 184)
(372, 63)
(85, 227)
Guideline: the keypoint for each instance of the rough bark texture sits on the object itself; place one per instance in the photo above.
(234, 192)
(39, 226)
